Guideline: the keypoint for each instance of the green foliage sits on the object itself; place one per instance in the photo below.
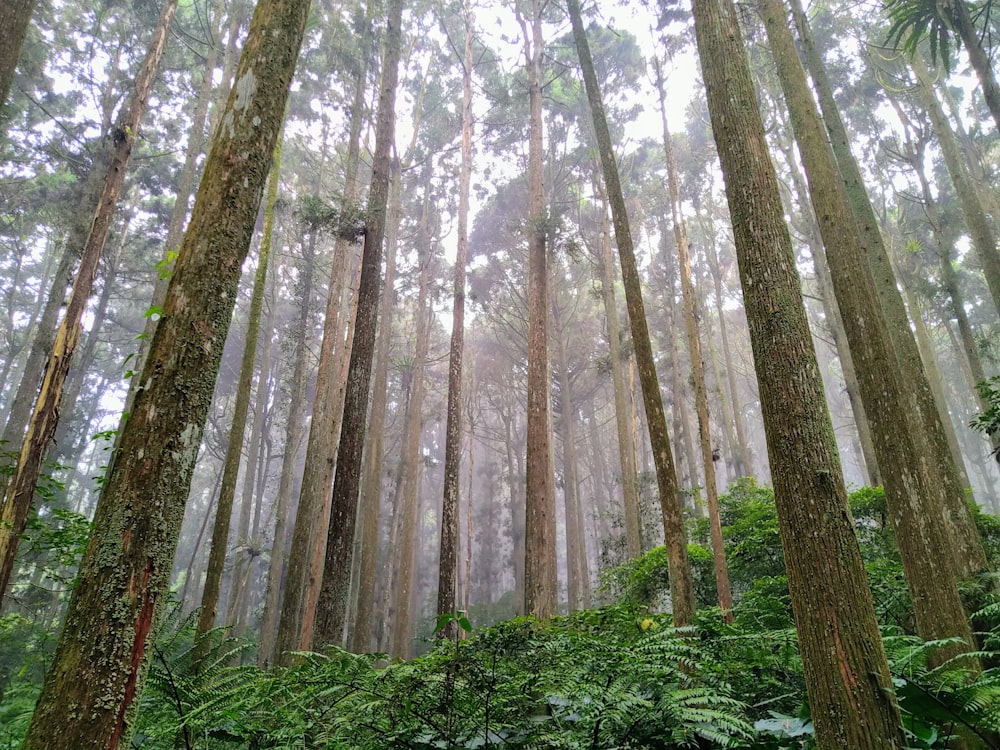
(989, 421)
(912, 20)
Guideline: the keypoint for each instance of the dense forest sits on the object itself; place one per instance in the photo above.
(527, 374)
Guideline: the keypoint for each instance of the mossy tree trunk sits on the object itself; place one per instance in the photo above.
(969, 556)
(93, 684)
(681, 587)
(847, 676)
(118, 144)
(334, 590)
(911, 492)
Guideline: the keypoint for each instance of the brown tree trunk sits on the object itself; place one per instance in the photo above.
(334, 592)
(681, 588)
(626, 450)
(448, 555)
(970, 558)
(911, 492)
(973, 41)
(15, 15)
(410, 464)
(688, 294)
(93, 684)
(847, 676)
(41, 428)
(540, 578)
(234, 448)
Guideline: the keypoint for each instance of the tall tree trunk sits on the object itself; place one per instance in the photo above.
(118, 143)
(978, 56)
(374, 450)
(577, 575)
(681, 587)
(15, 15)
(970, 557)
(688, 293)
(234, 448)
(540, 577)
(851, 695)
(911, 492)
(448, 554)
(93, 684)
(626, 450)
(334, 592)
(835, 321)
(410, 464)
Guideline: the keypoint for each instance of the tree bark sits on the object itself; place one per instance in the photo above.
(681, 588)
(93, 684)
(970, 558)
(978, 56)
(15, 15)
(540, 578)
(846, 672)
(334, 592)
(448, 554)
(118, 143)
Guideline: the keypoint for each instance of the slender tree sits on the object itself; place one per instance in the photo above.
(847, 675)
(118, 143)
(448, 555)
(93, 684)
(234, 449)
(540, 582)
(347, 482)
(681, 588)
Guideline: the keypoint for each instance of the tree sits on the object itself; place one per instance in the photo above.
(911, 492)
(448, 568)
(851, 695)
(15, 16)
(540, 512)
(119, 143)
(682, 593)
(234, 449)
(96, 676)
(334, 590)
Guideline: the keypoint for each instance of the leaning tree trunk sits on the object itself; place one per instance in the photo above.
(970, 559)
(911, 492)
(540, 578)
(847, 676)
(15, 15)
(234, 449)
(448, 555)
(119, 143)
(334, 591)
(688, 295)
(681, 587)
(93, 685)
(973, 41)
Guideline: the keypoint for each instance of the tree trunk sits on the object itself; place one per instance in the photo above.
(334, 592)
(540, 578)
(970, 557)
(410, 463)
(725, 596)
(681, 588)
(93, 684)
(978, 56)
(850, 693)
(448, 555)
(15, 15)
(234, 448)
(626, 450)
(118, 143)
